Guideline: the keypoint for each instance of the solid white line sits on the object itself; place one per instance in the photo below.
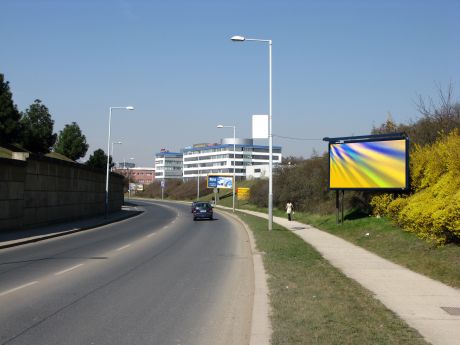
(17, 288)
(124, 247)
(68, 269)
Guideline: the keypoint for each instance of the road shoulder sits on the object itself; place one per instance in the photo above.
(261, 328)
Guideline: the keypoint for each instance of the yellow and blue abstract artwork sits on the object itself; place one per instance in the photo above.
(368, 165)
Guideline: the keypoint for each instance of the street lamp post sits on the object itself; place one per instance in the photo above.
(198, 183)
(234, 160)
(270, 136)
(108, 159)
(115, 142)
(129, 181)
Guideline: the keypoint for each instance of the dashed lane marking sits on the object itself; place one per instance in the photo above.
(67, 270)
(124, 247)
(18, 288)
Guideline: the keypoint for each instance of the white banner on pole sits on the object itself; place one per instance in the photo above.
(260, 126)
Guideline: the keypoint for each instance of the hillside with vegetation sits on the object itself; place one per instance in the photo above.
(430, 209)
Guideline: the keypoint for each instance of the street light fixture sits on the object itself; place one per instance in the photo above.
(108, 159)
(234, 160)
(115, 142)
(270, 136)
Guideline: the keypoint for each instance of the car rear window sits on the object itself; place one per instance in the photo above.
(203, 205)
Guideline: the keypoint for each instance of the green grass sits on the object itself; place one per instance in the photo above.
(389, 242)
(5, 153)
(56, 155)
(314, 303)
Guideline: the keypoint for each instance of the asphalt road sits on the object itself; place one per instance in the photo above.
(158, 278)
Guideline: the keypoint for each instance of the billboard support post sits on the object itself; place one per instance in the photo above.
(343, 202)
(337, 206)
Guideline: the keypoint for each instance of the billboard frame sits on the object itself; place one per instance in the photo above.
(370, 138)
(217, 175)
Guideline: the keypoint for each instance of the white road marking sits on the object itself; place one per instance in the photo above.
(68, 270)
(124, 247)
(18, 288)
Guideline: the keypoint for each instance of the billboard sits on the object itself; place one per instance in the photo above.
(220, 181)
(243, 193)
(369, 164)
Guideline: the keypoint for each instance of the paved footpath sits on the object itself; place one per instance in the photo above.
(432, 308)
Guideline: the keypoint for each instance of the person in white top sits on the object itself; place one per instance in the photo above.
(289, 210)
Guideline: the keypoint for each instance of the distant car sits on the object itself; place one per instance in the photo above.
(202, 210)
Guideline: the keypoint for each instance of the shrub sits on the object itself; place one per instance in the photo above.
(380, 202)
(433, 210)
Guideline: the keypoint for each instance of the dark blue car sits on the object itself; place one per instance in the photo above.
(202, 210)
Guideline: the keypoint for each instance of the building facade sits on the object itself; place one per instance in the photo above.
(204, 159)
(138, 175)
(168, 165)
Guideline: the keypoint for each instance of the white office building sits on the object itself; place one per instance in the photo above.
(168, 165)
(204, 159)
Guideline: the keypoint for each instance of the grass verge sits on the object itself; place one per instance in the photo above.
(314, 303)
(380, 236)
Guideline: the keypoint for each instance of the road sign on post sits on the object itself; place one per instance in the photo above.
(163, 185)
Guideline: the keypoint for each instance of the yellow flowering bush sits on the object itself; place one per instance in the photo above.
(432, 211)
(379, 204)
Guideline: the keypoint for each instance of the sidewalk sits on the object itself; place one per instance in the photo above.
(429, 306)
(19, 237)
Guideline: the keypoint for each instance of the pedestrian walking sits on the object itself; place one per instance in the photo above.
(289, 210)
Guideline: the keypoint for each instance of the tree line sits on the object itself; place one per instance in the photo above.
(33, 130)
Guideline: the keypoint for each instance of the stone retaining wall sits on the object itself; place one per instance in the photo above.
(43, 190)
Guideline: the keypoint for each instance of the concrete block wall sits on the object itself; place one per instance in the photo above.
(44, 190)
(12, 176)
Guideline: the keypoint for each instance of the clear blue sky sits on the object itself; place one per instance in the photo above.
(339, 67)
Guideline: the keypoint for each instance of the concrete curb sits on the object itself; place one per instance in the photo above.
(261, 328)
(15, 243)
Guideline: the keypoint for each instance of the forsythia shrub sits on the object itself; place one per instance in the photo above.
(379, 204)
(433, 209)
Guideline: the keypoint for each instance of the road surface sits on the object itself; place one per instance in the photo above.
(158, 278)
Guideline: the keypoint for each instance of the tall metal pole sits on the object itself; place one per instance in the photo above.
(107, 168)
(111, 153)
(270, 136)
(108, 159)
(270, 144)
(198, 184)
(129, 184)
(234, 166)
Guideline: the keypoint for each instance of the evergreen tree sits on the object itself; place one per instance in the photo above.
(37, 128)
(9, 114)
(71, 142)
(98, 159)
